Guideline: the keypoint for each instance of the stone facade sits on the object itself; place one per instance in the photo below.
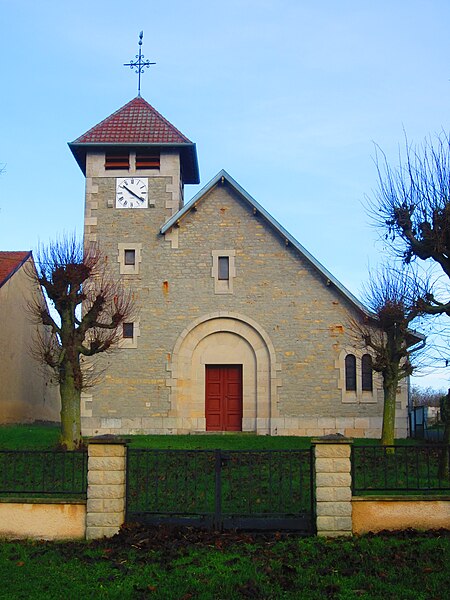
(279, 314)
(282, 322)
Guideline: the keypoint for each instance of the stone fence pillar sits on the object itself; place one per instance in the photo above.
(106, 493)
(333, 486)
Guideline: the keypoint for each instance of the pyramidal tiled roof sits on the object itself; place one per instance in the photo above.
(135, 123)
(10, 262)
(138, 124)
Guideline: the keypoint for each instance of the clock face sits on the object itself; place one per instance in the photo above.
(131, 192)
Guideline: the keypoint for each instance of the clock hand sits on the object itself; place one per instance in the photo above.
(132, 193)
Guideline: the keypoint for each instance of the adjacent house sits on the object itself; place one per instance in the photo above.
(26, 394)
(239, 327)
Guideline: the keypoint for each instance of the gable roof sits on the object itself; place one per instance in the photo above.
(223, 177)
(137, 123)
(10, 262)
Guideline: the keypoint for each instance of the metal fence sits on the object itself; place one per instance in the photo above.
(421, 427)
(268, 489)
(396, 469)
(43, 473)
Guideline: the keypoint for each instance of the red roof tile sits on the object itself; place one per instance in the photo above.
(137, 122)
(10, 262)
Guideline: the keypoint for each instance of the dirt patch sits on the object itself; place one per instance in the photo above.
(162, 537)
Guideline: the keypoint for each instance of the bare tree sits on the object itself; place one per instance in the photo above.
(91, 308)
(428, 396)
(412, 207)
(393, 298)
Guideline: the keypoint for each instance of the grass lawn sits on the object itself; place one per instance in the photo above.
(43, 437)
(28, 437)
(189, 565)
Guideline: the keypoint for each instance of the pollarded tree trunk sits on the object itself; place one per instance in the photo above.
(70, 408)
(390, 383)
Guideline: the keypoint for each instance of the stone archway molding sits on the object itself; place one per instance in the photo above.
(240, 340)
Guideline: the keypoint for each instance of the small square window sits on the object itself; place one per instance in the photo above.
(130, 257)
(128, 331)
(223, 268)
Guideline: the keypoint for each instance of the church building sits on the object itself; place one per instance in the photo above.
(238, 327)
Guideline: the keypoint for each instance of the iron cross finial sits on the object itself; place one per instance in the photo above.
(140, 63)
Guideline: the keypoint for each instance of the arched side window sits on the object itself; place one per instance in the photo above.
(367, 373)
(350, 373)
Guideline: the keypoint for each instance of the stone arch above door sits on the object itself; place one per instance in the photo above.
(227, 339)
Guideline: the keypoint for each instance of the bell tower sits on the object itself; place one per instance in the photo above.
(136, 164)
(134, 161)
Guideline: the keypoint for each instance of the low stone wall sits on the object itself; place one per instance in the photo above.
(374, 514)
(340, 514)
(337, 512)
(47, 521)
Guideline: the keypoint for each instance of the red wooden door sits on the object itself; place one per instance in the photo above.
(223, 399)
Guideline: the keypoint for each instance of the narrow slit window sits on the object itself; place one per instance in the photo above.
(116, 160)
(350, 373)
(130, 257)
(128, 331)
(223, 268)
(367, 373)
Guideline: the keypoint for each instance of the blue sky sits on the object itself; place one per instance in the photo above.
(288, 96)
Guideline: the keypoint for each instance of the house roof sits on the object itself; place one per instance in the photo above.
(136, 124)
(10, 262)
(224, 178)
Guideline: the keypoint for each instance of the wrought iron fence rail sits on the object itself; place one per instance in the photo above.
(46, 473)
(220, 486)
(399, 468)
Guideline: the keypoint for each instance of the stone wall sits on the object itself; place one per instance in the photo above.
(399, 512)
(48, 521)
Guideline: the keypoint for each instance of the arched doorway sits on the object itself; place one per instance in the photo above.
(224, 345)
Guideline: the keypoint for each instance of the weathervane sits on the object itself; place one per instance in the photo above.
(140, 63)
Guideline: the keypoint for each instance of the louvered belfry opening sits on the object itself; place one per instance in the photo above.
(148, 159)
(117, 160)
